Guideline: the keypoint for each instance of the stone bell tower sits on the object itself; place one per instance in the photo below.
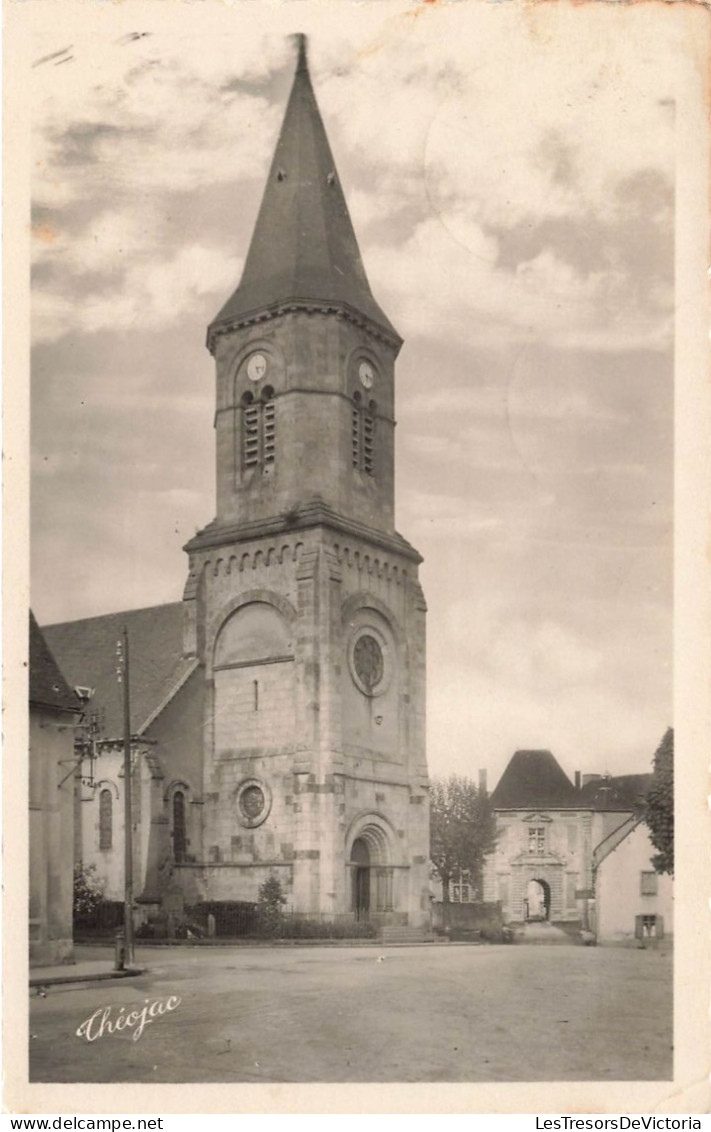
(303, 603)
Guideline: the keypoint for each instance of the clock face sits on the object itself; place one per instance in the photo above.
(256, 367)
(366, 374)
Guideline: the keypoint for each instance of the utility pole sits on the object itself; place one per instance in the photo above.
(123, 676)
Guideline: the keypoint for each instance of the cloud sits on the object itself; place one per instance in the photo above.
(153, 117)
(544, 128)
(143, 295)
(474, 721)
(585, 676)
(472, 298)
(458, 178)
(513, 204)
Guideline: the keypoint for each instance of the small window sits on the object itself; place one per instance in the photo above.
(461, 889)
(537, 839)
(648, 927)
(179, 839)
(648, 884)
(106, 803)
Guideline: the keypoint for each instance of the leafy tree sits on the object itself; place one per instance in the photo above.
(88, 892)
(659, 810)
(271, 902)
(462, 829)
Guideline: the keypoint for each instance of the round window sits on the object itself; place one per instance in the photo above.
(253, 802)
(369, 661)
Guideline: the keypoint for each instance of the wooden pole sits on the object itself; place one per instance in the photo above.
(128, 817)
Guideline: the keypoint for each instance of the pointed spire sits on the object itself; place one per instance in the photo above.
(303, 247)
(301, 59)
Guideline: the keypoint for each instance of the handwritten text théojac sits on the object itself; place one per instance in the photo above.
(108, 1020)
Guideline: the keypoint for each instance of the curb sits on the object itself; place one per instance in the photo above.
(101, 977)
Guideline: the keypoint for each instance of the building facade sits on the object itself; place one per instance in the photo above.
(301, 664)
(633, 903)
(554, 836)
(54, 712)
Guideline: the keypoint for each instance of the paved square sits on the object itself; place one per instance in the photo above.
(327, 1014)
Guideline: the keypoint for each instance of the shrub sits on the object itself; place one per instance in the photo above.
(270, 906)
(298, 927)
(88, 894)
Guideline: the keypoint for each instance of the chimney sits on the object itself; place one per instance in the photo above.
(482, 781)
(577, 780)
(591, 778)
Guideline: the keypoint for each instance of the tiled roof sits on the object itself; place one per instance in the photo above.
(86, 650)
(48, 687)
(303, 246)
(533, 780)
(622, 792)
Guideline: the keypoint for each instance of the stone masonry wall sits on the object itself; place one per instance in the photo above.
(312, 367)
(319, 782)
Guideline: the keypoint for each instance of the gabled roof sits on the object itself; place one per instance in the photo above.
(86, 650)
(303, 247)
(48, 687)
(533, 780)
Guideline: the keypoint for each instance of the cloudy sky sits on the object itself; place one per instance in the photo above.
(510, 175)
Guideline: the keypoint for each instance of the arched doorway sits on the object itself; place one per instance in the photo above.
(360, 860)
(538, 900)
(369, 862)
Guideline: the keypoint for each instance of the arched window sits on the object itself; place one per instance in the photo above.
(254, 679)
(179, 837)
(258, 429)
(256, 633)
(105, 819)
(363, 434)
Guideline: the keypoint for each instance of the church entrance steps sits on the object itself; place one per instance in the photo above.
(544, 932)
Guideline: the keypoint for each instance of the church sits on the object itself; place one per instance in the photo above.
(278, 710)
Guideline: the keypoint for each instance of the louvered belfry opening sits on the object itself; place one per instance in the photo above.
(363, 435)
(258, 429)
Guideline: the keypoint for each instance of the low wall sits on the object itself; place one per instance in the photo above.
(485, 918)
